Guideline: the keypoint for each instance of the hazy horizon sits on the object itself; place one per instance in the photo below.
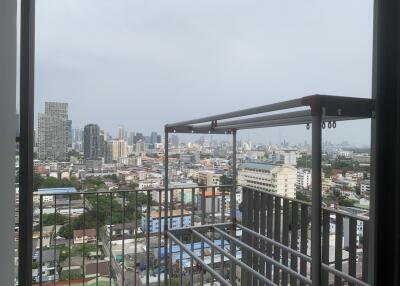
(145, 64)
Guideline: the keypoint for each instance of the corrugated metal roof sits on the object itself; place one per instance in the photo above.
(56, 190)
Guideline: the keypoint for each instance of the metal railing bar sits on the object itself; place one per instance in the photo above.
(148, 238)
(136, 228)
(159, 238)
(325, 245)
(191, 239)
(41, 241)
(69, 242)
(270, 215)
(265, 118)
(198, 260)
(213, 222)
(277, 237)
(110, 249)
(352, 247)
(263, 226)
(170, 227)
(55, 238)
(338, 247)
(233, 258)
(294, 240)
(222, 221)
(285, 238)
(256, 226)
(121, 191)
(203, 216)
(331, 210)
(84, 232)
(275, 243)
(240, 113)
(187, 229)
(343, 275)
(303, 238)
(123, 237)
(272, 261)
(97, 239)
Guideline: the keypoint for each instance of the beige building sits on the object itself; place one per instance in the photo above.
(115, 150)
(208, 178)
(272, 178)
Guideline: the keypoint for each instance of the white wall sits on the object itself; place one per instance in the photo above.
(8, 32)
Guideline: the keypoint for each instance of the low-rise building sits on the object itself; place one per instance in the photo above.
(175, 218)
(84, 235)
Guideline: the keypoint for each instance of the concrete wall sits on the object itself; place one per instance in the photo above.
(8, 37)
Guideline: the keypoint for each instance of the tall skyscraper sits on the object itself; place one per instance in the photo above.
(91, 141)
(175, 140)
(131, 138)
(121, 132)
(52, 132)
(102, 144)
(69, 133)
(153, 137)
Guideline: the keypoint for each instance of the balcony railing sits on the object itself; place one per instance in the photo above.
(118, 238)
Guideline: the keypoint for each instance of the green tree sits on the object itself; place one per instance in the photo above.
(66, 231)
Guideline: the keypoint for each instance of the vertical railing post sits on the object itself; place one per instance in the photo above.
(166, 208)
(232, 207)
(316, 199)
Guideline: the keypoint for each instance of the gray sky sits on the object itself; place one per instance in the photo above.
(147, 63)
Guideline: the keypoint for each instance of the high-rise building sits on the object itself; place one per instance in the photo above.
(131, 138)
(138, 136)
(69, 133)
(153, 137)
(102, 144)
(52, 132)
(91, 141)
(175, 141)
(121, 132)
(115, 150)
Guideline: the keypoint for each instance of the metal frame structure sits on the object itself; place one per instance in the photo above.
(318, 110)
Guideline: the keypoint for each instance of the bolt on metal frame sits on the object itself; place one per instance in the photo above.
(317, 109)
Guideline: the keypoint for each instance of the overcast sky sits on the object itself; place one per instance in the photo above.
(146, 63)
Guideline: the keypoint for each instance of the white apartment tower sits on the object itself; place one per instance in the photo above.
(52, 132)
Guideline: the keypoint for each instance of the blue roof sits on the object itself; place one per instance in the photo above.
(56, 191)
(259, 166)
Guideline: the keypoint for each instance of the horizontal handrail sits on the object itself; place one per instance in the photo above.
(162, 189)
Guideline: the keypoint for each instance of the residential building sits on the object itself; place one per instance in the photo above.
(52, 135)
(280, 179)
(115, 150)
(84, 235)
(209, 178)
(91, 141)
(174, 218)
(303, 179)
